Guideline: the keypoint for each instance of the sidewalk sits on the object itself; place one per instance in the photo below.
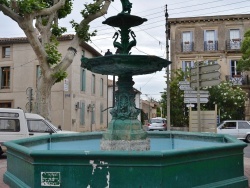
(3, 164)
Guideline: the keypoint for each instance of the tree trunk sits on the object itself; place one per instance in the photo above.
(43, 97)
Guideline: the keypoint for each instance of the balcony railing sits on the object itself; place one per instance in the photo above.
(233, 44)
(187, 46)
(210, 45)
(238, 79)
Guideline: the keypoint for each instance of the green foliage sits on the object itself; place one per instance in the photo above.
(60, 75)
(23, 7)
(30, 6)
(89, 9)
(178, 111)
(58, 31)
(244, 63)
(83, 31)
(230, 100)
(53, 56)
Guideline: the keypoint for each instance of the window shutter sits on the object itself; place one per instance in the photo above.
(82, 114)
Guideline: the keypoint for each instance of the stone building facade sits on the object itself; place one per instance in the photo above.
(207, 39)
(77, 102)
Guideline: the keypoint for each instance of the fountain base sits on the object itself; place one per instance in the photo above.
(125, 145)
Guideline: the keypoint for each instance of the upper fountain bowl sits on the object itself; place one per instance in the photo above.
(124, 20)
(123, 64)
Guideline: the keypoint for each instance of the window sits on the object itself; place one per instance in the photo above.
(243, 125)
(186, 65)
(38, 126)
(233, 69)
(83, 80)
(229, 125)
(9, 125)
(101, 87)
(235, 41)
(187, 41)
(5, 77)
(82, 114)
(235, 76)
(5, 104)
(93, 84)
(210, 40)
(6, 52)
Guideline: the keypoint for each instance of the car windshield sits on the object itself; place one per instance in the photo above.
(53, 126)
(156, 120)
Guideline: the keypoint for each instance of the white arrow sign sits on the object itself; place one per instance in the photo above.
(190, 105)
(202, 95)
(184, 83)
(206, 68)
(185, 87)
(205, 76)
(206, 83)
(195, 92)
(194, 100)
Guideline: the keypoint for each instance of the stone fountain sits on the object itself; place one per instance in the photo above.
(125, 155)
(125, 130)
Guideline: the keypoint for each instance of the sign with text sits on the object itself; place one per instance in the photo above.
(195, 100)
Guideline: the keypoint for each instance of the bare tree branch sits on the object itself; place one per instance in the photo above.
(50, 10)
(10, 13)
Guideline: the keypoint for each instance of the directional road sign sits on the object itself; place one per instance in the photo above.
(190, 105)
(205, 76)
(195, 92)
(184, 83)
(185, 87)
(194, 100)
(205, 83)
(205, 68)
(202, 95)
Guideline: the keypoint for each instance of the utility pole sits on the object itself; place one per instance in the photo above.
(167, 71)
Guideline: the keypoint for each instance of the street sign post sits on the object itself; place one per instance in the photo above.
(202, 76)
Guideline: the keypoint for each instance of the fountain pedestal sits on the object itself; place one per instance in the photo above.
(125, 130)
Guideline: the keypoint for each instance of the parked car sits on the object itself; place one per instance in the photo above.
(16, 124)
(157, 124)
(237, 128)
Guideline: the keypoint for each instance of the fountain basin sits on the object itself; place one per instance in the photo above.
(175, 159)
(123, 64)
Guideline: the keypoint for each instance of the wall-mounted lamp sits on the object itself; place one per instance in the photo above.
(91, 107)
(77, 105)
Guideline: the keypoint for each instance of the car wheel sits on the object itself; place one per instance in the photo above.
(248, 138)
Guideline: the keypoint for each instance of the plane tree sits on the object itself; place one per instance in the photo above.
(244, 63)
(42, 16)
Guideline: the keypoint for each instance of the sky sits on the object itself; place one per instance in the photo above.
(150, 36)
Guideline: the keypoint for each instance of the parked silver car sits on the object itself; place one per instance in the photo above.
(157, 124)
(237, 128)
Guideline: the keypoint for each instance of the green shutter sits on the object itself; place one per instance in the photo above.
(82, 114)
(83, 80)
